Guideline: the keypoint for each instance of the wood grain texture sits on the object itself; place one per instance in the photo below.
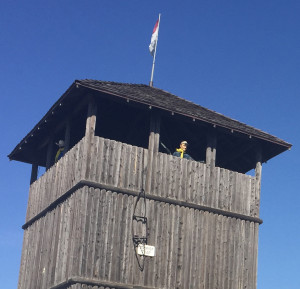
(88, 233)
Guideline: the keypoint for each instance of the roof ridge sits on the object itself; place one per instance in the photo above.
(111, 82)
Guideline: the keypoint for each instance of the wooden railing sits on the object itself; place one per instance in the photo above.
(124, 166)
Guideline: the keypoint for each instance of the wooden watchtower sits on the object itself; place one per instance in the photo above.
(95, 217)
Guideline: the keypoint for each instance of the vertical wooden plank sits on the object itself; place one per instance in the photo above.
(247, 258)
(216, 262)
(36, 253)
(189, 180)
(121, 265)
(58, 273)
(130, 256)
(204, 249)
(50, 277)
(122, 166)
(165, 246)
(105, 161)
(207, 185)
(23, 259)
(231, 252)
(195, 249)
(223, 252)
(171, 180)
(221, 190)
(200, 184)
(255, 251)
(91, 167)
(78, 263)
(140, 169)
(117, 164)
(232, 190)
(89, 194)
(215, 188)
(161, 214)
(110, 162)
(107, 235)
(187, 249)
(131, 169)
(226, 192)
(178, 178)
(114, 269)
(179, 268)
(99, 159)
(183, 182)
(156, 175)
(100, 234)
(174, 254)
(210, 250)
(128, 167)
(91, 242)
(42, 269)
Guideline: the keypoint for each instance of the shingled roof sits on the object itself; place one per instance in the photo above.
(152, 97)
(165, 100)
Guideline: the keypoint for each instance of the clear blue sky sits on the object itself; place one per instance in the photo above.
(239, 58)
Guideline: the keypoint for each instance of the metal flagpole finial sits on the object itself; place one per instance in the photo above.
(153, 46)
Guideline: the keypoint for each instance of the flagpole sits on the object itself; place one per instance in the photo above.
(153, 64)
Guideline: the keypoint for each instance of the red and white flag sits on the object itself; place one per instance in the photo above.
(154, 38)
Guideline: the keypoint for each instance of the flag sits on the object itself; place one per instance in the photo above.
(154, 38)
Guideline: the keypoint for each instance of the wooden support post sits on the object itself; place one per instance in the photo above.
(154, 133)
(211, 149)
(258, 171)
(67, 134)
(91, 118)
(49, 158)
(89, 135)
(153, 147)
(34, 173)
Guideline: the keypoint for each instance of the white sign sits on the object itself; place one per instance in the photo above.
(146, 250)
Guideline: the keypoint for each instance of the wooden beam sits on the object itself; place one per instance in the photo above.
(153, 147)
(89, 133)
(67, 133)
(135, 193)
(91, 118)
(49, 157)
(154, 133)
(34, 173)
(258, 171)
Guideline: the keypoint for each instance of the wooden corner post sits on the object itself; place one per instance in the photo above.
(258, 171)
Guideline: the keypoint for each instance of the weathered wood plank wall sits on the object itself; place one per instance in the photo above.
(88, 234)
(125, 166)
